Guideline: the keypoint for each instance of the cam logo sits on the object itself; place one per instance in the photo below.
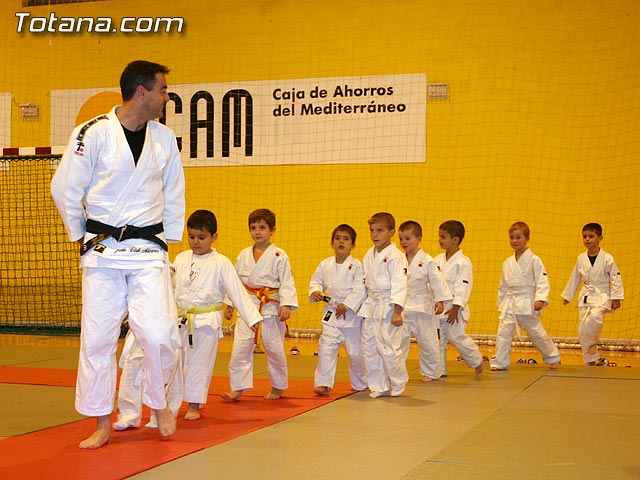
(237, 121)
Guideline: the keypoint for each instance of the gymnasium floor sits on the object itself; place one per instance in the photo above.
(527, 423)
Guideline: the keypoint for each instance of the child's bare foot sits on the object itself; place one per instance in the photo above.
(166, 422)
(321, 391)
(100, 437)
(233, 396)
(274, 394)
(193, 412)
(554, 365)
(479, 369)
(426, 379)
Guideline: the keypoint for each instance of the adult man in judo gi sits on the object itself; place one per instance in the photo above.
(119, 189)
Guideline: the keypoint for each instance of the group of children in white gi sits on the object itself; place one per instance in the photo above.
(405, 295)
(373, 308)
(524, 292)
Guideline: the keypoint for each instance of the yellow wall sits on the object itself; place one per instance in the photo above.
(541, 125)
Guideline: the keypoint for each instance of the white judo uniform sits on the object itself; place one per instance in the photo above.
(97, 179)
(270, 284)
(458, 273)
(344, 284)
(426, 285)
(602, 283)
(202, 283)
(386, 281)
(523, 283)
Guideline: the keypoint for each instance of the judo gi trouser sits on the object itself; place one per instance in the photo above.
(130, 387)
(272, 332)
(199, 362)
(193, 377)
(329, 345)
(536, 332)
(424, 328)
(591, 321)
(455, 333)
(388, 370)
(377, 381)
(107, 295)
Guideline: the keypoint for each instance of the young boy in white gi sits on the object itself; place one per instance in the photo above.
(458, 273)
(427, 291)
(524, 291)
(385, 273)
(265, 271)
(339, 281)
(601, 292)
(119, 189)
(202, 279)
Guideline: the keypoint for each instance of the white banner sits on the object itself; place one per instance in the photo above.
(5, 119)
(373, 119)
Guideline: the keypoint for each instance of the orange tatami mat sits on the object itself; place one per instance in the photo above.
(54, 451)
(52, 377)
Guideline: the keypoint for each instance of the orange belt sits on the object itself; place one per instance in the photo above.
(264, 295)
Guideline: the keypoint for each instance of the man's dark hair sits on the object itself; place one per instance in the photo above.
(139, 72)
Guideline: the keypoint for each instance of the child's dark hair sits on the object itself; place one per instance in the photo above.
(593, 227)
(454, 228)
(385, 218)
(203, 220)
(345, 228)
(263, 214)
(411, 226)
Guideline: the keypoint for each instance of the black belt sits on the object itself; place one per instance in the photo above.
(104, 231)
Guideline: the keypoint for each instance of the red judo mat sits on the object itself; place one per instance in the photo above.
(54, 452)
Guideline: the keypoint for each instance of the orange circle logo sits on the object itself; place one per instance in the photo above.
(99, 104)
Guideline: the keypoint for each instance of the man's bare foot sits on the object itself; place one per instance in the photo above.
(100, 437)
(193, 412)
(321, 391)
(554, 365)
(479, 369)
(426, 379)
(233, 396)
(166, 422)
(274, 394)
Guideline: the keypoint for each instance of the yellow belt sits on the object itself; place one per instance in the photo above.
(189, 313)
